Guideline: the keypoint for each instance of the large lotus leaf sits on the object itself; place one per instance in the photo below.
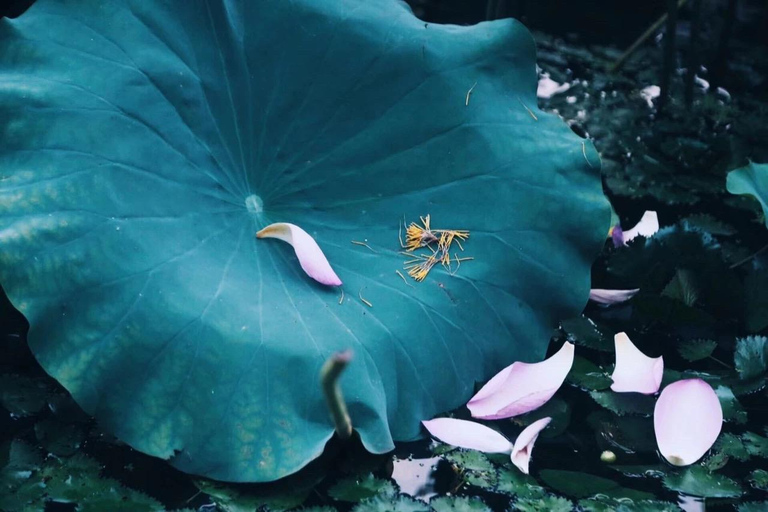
(752, 179)
(143, 144)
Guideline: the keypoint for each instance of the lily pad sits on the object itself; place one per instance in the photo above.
(584, 485)
(697, 481)
(694, 350)
(546, 504)
(357, 489)
(751, 356)
(759, 479)
(458, 504)
(146, 141)
(624, 403)
(752, 179)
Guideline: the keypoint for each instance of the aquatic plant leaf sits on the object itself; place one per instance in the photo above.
(620, 505)
(697, 481)
(731, 446)
(756, 445)
(397, 503)
(732, 409)
(695, 350)
(752, 506)
(759, 479)
(624, 403)
(458, 504)
(752, 179)
(588, 375)
(546, 504)
(751, 356)
(145, 142)
(516, 483)
(356, 489)
(22, 395)
(584, 485)
(583, 331)
(708, 224)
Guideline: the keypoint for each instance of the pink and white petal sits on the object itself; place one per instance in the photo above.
(635, 372)
(608, 297)
(311, 257)
(687, 419)
(523, 448)
(647, 227)
(468, 434)
(522, 387)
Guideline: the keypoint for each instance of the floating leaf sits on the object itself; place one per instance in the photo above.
(697, 481)
(732, 409)
(458, 504)
(731, 446)
(753, 506)
(759, 479)
(709, 224)
(624, 403)
(583, 331)
(682, 287)
(752, 179)
(145, 142)
(584, 485)
(546, 504)
(356, 489)
(624, 505)
(515, 483)
(588, 375)
(751, 356)
(756, 445)
(695, 350)
(393, 503)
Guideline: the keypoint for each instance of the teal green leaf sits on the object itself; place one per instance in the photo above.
(588, 375)
(623, 505)
(694, 350)
(391, 503)
(458, 504)
(756, 445)
(581, 330)
(546, 504)
(624, 403)
(697, 481)
(146, 141)
(240, 498)
(584, 485)
(753, 506)
(514, 482)
(708, 224)
(732, 409)
(759, 479)
(732, 446)
(752, 179)
(359, 488)
(751, 356)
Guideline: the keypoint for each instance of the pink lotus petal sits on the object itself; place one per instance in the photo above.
(687, 420)
(648, 225)
(311, 257)
(468, 434)
(522, 387)
(602, 296)
(521, 452)
(635, 372)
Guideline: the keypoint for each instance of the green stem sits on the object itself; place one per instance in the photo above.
(719, 361)
(329, 381)
(740, 263)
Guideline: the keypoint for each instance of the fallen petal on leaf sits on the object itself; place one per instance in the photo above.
(687, 420)
(602, 296)
(522, 387)
(311, 257)
(648, 225)
(523, 448)
(468, 434)
(635, 372)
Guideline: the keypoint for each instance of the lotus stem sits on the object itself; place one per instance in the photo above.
(329, 381)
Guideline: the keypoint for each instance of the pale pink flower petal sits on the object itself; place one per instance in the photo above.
(522, 387)
(647, 227)
(602, 296)
(635, 372)
(687, 420)
(468, 434)
(521, 452)
(311, 257)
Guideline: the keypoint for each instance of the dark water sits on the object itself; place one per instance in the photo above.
(673, 161)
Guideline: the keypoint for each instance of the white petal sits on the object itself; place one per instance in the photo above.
(521, 452)
(468, 434)
(602, 296)
(687, 419)
(311, 257)
(634, 371)
(647, 227)
(522, 387)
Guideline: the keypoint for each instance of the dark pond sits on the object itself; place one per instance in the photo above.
(703, 281)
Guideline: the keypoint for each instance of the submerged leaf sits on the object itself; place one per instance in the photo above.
(584, 485)
(145, 142)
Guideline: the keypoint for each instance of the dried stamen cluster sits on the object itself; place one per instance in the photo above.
(437, 241)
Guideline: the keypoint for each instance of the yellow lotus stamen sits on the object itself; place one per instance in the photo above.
(422, 236)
